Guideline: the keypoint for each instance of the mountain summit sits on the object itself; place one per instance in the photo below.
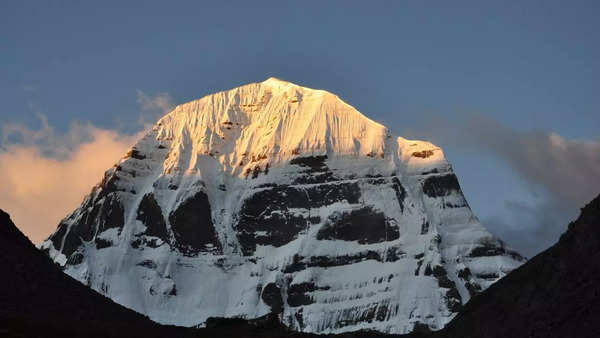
(272, 197)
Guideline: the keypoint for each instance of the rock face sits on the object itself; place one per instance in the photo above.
(273, 197)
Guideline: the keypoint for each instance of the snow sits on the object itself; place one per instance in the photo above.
(211, 145)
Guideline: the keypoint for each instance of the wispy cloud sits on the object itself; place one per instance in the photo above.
(46, 174)
(28, 88)
(565, 173)
(153, 106)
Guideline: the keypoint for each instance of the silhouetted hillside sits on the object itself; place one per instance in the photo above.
(555, 294)
(39, 300)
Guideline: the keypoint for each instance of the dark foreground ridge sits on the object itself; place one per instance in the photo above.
(38, 300)
(555, 294)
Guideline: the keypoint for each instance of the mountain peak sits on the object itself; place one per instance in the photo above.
(282, 85)
(273, 119)
(273, 81)
(273, 196)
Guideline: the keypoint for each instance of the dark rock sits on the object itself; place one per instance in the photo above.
(110, 215)
(487, 275)
(382, 311)
(75, 259)
(418, 269)
(423, 153)
(400, 192)
(102, 243)
(428, 270)
(364, 225)
(464, 273)
(316, 171)
(473, 288)
(315, 163)
(393, 254)
(452, 296)
(101, 211)
(425, 228)
(432, 171)
(441, 185)
(134, 153)
(267, 210)
(192, 226)
(150, 213)
(147, 264)
(298, 294)
(271, 295)
(57, 237)
(300, 263)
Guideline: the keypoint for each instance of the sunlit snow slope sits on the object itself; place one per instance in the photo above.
(275, 197)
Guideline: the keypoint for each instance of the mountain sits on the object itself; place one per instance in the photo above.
(555, 294)
(272, 197)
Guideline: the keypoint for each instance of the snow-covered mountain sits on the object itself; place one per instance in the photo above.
(276, 197)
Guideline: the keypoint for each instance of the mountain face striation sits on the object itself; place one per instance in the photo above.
(273, 197)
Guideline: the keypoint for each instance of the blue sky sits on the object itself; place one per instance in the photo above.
(525, 68)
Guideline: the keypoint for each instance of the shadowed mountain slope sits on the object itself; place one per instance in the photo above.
(555, 294)
(38, 300)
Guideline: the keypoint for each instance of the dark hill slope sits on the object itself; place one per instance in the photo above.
(39, 300)
(555, 294)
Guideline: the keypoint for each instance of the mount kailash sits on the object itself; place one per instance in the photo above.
(272, 197)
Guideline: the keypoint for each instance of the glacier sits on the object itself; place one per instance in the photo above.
(272, 197)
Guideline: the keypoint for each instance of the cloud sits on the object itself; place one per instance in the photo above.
(45, 175)
(28, 88)
(568, 170)
(153, 106)
(564, 173)
(529, 227)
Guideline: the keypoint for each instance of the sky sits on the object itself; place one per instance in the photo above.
(509, 90)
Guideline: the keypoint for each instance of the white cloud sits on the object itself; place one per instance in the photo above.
(153, 106)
